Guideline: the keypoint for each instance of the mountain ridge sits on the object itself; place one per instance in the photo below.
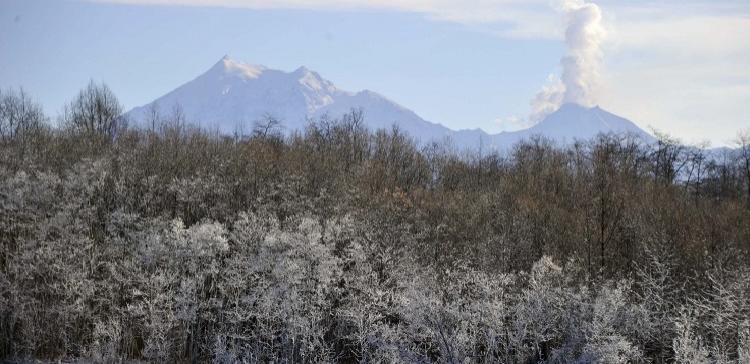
(232, 94)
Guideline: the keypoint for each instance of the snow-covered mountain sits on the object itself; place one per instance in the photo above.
(574, 122)
(232, 95)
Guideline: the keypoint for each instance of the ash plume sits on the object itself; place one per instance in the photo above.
(581, 64)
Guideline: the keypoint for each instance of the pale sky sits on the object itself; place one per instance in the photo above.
(682, 67)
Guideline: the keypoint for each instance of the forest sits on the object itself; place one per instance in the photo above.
(168, 243)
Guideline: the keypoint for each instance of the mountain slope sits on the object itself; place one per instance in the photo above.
(574, 122)
(232, 95)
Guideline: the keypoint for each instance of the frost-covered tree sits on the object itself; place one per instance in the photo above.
(338, 244)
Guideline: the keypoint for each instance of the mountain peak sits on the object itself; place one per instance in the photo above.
(228, 66)
(302, 70)
(312, 80)
(574, 121)
(575, 107)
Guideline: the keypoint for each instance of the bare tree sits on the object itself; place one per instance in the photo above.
(743, 153)
(267, 126)
(696, 167)
(20, 119)
(95, 112)
(18, 115)
(153, 116)
(668, 158)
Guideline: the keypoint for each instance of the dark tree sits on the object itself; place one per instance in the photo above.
(20, 119)
(95, 112)
(743, 151)
(19, 115)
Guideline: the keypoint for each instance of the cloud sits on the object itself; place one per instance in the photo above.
(695, 101)
(516, 18)
(686, 71)
(701, 36)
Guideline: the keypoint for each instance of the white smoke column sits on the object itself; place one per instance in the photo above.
(581, 64)
(548, 100)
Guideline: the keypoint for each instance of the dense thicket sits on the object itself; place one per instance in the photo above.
(340, 244)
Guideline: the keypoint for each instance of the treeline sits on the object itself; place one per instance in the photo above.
(336, 243)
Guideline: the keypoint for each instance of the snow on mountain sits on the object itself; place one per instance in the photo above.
(573, 122)
(232, 95)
